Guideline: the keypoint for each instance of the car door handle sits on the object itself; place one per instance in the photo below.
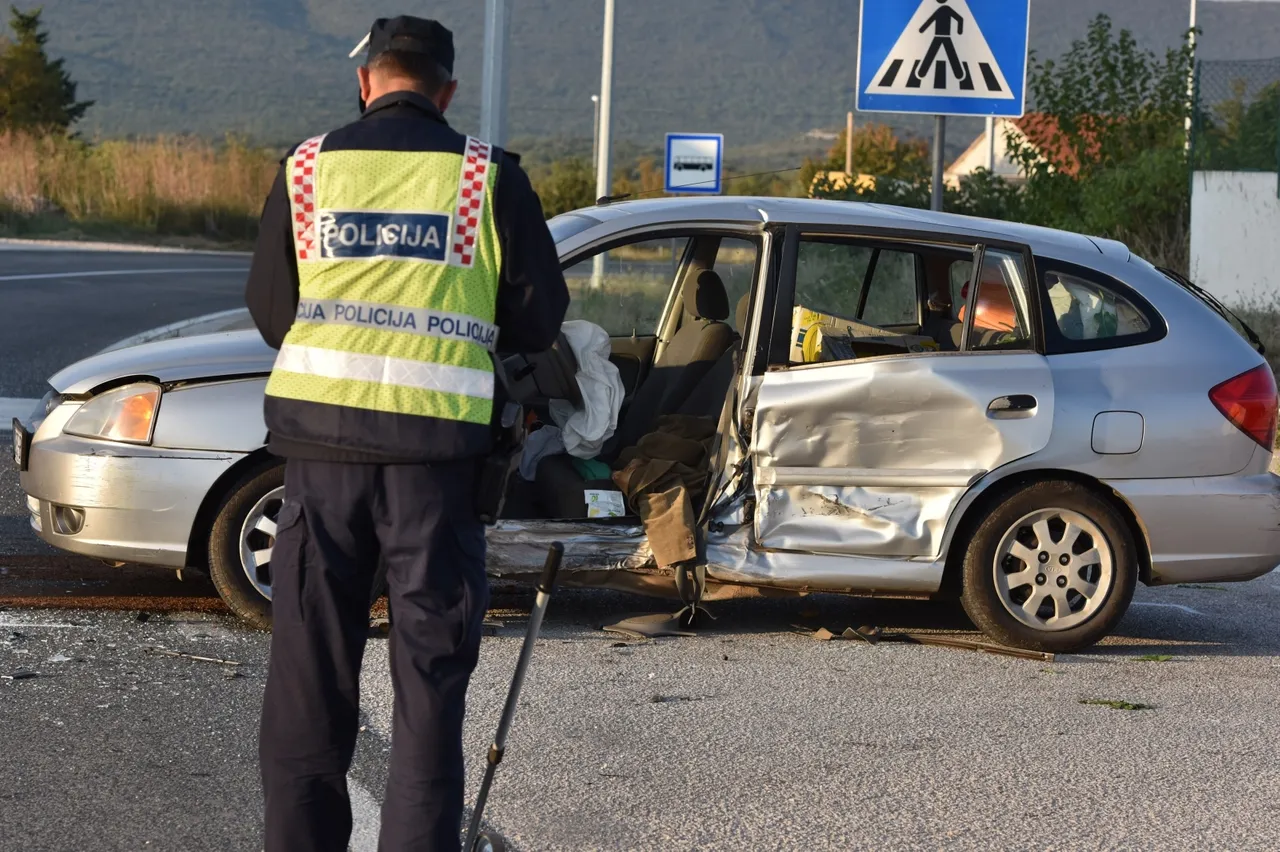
(1012, 406)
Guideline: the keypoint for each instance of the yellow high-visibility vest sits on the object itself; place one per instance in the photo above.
(398, 268)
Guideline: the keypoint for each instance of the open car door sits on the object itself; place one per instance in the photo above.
(862, 451)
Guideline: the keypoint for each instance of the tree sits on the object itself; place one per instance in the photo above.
(1110, 157)
(1240, 133)
(567, 185)
(876, 151)
(36, 93)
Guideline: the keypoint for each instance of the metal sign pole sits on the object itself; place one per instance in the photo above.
(939, 159)
(493, 92)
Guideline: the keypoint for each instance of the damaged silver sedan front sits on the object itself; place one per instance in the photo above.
(896, 403)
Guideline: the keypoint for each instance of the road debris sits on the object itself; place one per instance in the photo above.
(21, 674)
(1155, 658)
(1116, 705)
(649, 626)
(874, 635)
(152, 649)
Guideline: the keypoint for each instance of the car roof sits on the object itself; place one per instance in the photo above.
(817, 211)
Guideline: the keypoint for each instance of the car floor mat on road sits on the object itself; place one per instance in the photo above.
(874, 635)
(650, 626)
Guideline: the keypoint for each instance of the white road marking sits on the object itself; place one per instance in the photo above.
(366, 818)
(106, 272)
(1185, 609)
(11, 407)
(11, 244)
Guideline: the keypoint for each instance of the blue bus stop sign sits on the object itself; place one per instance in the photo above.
(943, 57)
(695, 162)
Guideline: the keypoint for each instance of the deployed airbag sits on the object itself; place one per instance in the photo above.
(584, 430)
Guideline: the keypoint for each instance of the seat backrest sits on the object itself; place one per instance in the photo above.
(703, 337)
(708, 396)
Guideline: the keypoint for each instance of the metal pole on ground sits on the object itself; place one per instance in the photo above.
(939, 159)
(604, 172)
(493, 93)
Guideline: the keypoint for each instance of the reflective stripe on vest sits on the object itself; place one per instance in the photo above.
(398, 264)
(332, 364)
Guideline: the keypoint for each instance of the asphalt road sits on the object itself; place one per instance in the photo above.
(749, 736)
(61, 305)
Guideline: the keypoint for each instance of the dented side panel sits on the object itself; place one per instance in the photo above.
(834, 519)
(871, 457)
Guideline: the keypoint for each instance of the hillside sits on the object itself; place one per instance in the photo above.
(761, 71)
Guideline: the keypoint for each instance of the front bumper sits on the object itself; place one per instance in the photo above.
(1208, 530)
(116, 501)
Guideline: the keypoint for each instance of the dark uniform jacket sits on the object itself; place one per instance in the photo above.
(531, 304)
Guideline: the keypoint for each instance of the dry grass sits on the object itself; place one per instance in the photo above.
(169, 187)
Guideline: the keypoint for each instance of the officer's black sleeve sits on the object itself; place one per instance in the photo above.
(272, 290)
(532, 296)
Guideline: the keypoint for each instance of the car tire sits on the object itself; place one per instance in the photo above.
(254, 494)
(1052, 567)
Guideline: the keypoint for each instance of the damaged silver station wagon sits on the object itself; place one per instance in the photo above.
(1034, 439)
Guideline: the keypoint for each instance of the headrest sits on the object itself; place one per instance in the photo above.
(743, 314)
(707, 299)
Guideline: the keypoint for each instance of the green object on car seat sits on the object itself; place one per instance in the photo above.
(591, 469)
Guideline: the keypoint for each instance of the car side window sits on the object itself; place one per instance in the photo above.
(736, 264)
(892, 296)
(1000, 314)
(624, 289)
(854, 300)
(1085, 310)
(830, 275)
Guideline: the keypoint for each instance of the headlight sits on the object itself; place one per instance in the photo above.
(126, 414)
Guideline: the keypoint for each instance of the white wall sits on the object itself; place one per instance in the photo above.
(1235, 234)
(975, 157)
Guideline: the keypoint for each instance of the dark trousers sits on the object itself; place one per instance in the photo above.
(336, 522)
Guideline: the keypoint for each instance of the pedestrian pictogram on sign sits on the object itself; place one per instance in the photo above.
(965, 57)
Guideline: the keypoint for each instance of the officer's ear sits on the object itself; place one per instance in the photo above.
(446, 95)
(362, 74)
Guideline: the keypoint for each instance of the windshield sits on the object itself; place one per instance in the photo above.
(567, 225)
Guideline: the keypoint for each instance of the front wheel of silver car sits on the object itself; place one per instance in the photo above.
(1052, 567)
(240, 544)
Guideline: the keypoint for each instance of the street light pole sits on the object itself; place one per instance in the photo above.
(603, 172)
(604, 182)
(595, 133)
(493, 91)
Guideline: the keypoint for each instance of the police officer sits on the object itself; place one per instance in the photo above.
(395, 255)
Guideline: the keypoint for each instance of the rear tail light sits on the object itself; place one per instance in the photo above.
(1249, 402)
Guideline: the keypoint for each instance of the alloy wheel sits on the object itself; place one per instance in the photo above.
(1054, 569)
(258, 537)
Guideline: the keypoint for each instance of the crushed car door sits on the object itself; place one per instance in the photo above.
(865, 449)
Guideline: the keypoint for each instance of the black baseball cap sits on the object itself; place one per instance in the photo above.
(410, 35)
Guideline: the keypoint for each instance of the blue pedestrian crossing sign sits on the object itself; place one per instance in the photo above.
(943, 57)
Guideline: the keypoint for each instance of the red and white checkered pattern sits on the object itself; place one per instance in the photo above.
(471, 189)
(303, 198)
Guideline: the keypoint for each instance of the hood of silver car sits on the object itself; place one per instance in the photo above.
(231, 354)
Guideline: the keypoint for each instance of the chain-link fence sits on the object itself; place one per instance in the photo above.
(1236, 123)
